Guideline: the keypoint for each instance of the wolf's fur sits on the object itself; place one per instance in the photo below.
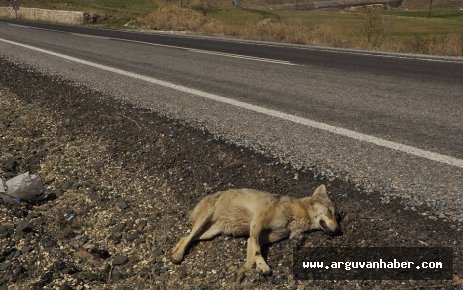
(261, 216)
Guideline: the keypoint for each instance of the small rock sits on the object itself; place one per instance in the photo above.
(5, 230)
(119, 228)
(144, 272)
(66, 185)
(69, 234)
(14, 253)
(65, 287)
(27, 187)
(94, 196)
(83, 255)
(122, 204)
(100, 253)
(116, 237)
(26, 250)
(45, 279)
(141, 225)
(89, 247)
(133, 236)
(69, 215)
(24, 227)
(120, 260)
(70, 271)
(116, 276)
(9, 162)
(47, 241)
(4, 266)
(140, 240)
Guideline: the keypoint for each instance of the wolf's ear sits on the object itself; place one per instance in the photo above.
(320, 191)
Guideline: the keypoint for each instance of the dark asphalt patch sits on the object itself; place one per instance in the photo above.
(194, 163)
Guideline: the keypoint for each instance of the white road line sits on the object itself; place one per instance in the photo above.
(90, 36)
(274, 113)
(17, 25)
(210, 52)
(242, 56)
(149, 43)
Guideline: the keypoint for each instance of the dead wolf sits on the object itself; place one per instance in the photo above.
(262, 216)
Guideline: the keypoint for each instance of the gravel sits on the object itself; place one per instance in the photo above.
(95, 154)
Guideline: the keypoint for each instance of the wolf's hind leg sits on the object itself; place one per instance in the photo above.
(214, 230)
(273, 237)
(199, 225)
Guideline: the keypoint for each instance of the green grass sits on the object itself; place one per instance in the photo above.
(436, 13)
(397, 24)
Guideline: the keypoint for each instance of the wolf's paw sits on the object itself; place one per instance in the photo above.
(264, 268)
(176, 257)
(267, 272)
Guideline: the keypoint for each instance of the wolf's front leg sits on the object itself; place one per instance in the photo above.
(250, 258)
(254, 240)
(250, 261)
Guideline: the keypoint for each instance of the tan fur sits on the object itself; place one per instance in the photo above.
(259, 215)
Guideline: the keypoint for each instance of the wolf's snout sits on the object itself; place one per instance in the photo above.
(337, 232)
(332, 229)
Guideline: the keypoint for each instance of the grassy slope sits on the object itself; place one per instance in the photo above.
(403, 31)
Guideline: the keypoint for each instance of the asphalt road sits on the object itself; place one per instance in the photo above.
(304, 105)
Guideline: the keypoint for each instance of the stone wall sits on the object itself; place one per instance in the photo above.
(36, 14)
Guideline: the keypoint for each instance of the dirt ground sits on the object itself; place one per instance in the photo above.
(121, 181)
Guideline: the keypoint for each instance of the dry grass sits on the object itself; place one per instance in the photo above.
(173, 17)
(371, 31)
(443, 44)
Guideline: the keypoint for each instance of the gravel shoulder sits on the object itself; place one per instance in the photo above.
(122, 179)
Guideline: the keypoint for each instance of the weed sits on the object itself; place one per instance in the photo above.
(374, 27)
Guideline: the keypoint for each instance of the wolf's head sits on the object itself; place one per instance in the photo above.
(321, 212)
